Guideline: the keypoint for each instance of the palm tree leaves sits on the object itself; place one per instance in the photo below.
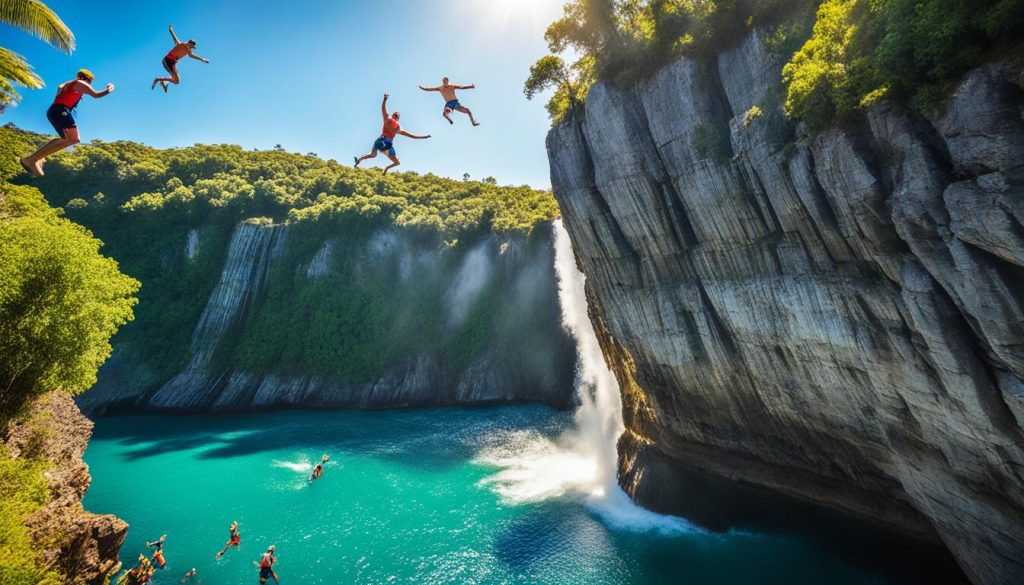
(36, 18)
(14, 70)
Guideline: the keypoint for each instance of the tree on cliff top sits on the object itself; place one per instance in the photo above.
(60, 300)
(37, 19)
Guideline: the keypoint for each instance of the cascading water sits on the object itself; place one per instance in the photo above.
(582, 461)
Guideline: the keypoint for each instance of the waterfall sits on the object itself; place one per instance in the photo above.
(583, 461)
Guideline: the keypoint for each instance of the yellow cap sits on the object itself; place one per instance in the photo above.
(86, 73)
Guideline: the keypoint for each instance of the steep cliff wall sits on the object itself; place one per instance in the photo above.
(839, 317)
(371, 318)
(77, 547)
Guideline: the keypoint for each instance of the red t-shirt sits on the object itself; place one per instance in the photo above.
(391, 128)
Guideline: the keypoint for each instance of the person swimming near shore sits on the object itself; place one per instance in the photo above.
(61, 116)
(189, 575)
(234, 539)
(158, 554)
(451, 101)
(170, 61)
(266, 565)
(386, 142)
(319, 469)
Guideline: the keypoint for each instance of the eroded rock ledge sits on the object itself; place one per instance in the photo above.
(839, 317)
(81, 547)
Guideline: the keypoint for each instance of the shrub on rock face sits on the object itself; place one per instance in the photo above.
(908, 50)
(60, 299)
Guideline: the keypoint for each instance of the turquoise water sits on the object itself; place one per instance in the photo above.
(407, 498)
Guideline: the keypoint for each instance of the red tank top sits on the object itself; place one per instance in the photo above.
(391, 128)
(67, 96)
(267, 561)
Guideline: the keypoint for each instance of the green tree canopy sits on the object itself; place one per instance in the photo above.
(60, 300)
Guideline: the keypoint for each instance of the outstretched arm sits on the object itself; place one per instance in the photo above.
(173, 36)
(88, 90)
(197, 57)
(438, 88)
(416, 136)
(470, 86)
(384, 107)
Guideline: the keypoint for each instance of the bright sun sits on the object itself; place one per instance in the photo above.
(535, 12)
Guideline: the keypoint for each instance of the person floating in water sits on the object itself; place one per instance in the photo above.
(234, 539)
(158, 554)
(170, 62)
(61, 117)
(451, 101)
(319, 469)
(189, 575)
(386, 142)
(267, 565)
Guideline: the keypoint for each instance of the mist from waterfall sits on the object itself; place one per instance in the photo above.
(582, 461)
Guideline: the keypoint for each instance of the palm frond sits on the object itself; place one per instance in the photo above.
(36, 18)
(14, 70)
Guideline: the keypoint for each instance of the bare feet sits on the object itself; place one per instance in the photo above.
(153, 85)
(476, 123)
(450, 121)
(29, 168)
(163, 84)
(357, 161)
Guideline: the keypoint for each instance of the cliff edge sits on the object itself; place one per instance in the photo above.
(838, 316)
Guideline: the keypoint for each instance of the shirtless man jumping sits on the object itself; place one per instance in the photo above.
(170, 62)
(386, 142)
(451, 101)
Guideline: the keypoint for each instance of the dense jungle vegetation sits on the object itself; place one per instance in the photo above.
(842, 54)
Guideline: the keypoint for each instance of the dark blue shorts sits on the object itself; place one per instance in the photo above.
(266, 573)
(452, 105)
(60, 118)
(170, 65)
(384, 144)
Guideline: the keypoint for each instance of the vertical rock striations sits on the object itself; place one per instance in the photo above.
(245, 272)
(838, 317)
(495, 337)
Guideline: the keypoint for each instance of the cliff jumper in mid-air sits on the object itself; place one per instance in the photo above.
(451, 101)
(61, 117)
(170, 62)
(386, 142)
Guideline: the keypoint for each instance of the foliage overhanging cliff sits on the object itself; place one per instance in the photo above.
(833, 311)
(60, 302)
(332, 284)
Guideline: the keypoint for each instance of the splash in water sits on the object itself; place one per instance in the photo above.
(582, 462)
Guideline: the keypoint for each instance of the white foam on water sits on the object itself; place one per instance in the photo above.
(583, 461)
(301, 466)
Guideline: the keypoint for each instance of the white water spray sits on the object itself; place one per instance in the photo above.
(582, 462)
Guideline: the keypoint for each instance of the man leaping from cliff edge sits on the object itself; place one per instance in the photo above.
(386, 142)
(451, 101)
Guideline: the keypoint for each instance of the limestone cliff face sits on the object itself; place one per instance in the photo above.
(81, 547)
(495, 302)
(839, 317)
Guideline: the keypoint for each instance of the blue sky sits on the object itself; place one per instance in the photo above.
(308, 75)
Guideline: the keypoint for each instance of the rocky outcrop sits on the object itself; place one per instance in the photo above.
(521, 354)
(81, 547)
(839, 317)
